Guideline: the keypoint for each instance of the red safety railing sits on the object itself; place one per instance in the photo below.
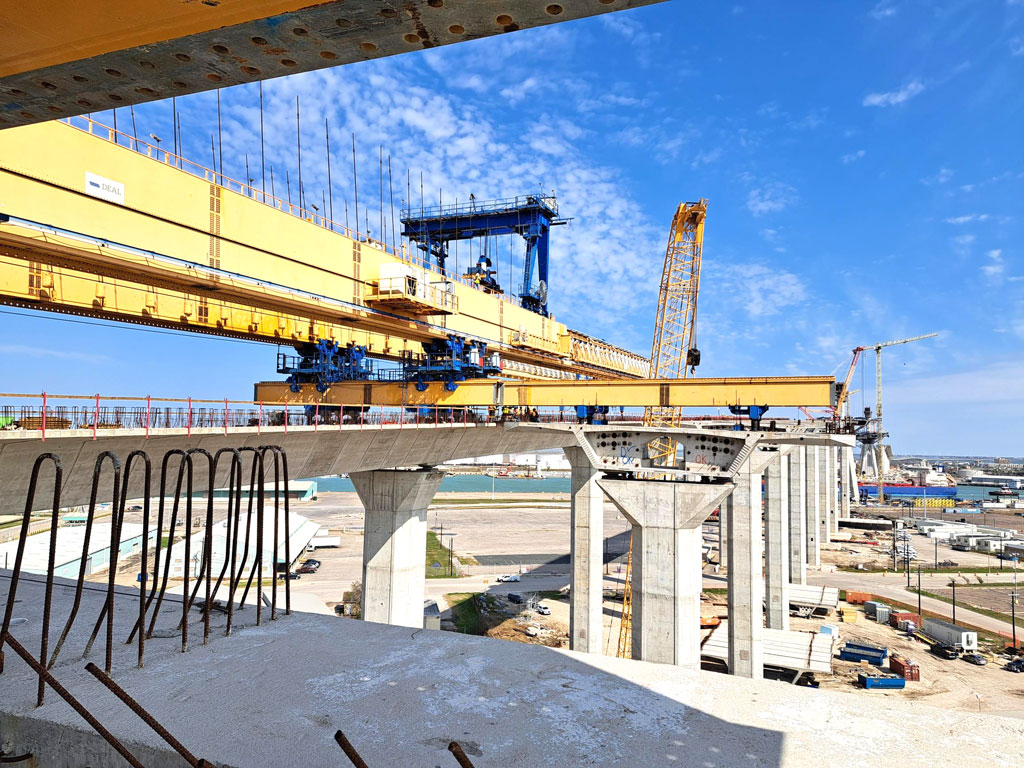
(97, 414)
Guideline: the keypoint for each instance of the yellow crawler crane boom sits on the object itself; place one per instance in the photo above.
(674, 353)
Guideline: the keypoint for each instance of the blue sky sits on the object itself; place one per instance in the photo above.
(864, 164)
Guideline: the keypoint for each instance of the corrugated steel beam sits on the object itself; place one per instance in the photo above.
(68, 57)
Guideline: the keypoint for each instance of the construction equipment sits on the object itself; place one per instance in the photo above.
(674, 353)
(871, 440)
(529, 216)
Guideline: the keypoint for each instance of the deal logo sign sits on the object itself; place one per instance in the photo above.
(105, 189)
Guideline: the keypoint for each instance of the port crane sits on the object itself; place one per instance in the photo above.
(674, 353)
(871, 440)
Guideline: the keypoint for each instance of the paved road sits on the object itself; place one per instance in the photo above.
(894, 587)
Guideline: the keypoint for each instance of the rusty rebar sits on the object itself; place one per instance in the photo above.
(456, 750)
(12, 592)
(75, 704)
(117, 526)
(280, 455)
(349, 750)
(139, 710)
(97, 472)
(11, 759)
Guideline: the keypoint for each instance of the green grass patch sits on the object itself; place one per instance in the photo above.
(716, 590)
(971, 571)
(466, 613)
(438, 553)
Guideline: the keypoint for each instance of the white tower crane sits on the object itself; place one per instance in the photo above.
(881, 461)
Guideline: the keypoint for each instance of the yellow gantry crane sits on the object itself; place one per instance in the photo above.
(674, 353)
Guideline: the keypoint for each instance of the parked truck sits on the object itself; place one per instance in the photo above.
(950, 634)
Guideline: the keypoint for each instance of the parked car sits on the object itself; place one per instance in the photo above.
(1017, 665)
(514, 597)
(944, 651)
(307, 568)
(135, 508)
(291, 575)
(509, 577)
(311, 561)
(543, 610)
(975, 658)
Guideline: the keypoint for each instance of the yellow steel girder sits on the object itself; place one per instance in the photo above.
(783, 391)
(175, 248)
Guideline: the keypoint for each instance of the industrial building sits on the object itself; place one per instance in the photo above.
(69, 547)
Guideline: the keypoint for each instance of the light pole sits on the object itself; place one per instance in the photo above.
(954, 600)
(919, 596)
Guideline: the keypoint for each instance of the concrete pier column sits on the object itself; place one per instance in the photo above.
(723, 537)
(746, 582)
(797, 517)
(586, 554)
(834, 495)
(395, 542)
(776, 542)
(824, 518)
(813, 517)
(667, 519)
(847, 488)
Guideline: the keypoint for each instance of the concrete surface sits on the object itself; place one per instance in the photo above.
(585, 553)
(746, 585)
(666, 519)
(776, 543)
(274, 696)
(395, 542)
(797, 517)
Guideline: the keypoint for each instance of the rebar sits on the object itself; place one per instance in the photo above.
(456, 750)
(349, 750)
(49, 679)
(147, 718)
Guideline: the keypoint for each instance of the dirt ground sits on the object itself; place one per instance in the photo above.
(991, 598)
(947, 683)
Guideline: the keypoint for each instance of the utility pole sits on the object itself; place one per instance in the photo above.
(954, 601)
(920, 616)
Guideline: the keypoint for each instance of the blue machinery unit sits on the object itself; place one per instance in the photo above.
(450, 361)
(529, 216)
(323, 364)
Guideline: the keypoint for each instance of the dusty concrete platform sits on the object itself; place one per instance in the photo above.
(275, 695)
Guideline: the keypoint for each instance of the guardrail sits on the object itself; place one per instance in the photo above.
(46, 413)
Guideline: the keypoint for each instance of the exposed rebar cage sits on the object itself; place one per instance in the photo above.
(674, 354)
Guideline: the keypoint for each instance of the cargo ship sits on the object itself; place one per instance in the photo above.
(916, 481)
(909, 489)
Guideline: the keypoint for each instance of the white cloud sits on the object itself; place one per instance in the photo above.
(962, 244)
(968, 218)
(853, 156)
(942, 176)
(706, 157)
(892, 98)
(1017, 46)
(772, 197)
(994, 269)
(883, 10)
(748, 287)
(516, 93)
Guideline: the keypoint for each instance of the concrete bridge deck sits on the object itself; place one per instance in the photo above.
(312, 451)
